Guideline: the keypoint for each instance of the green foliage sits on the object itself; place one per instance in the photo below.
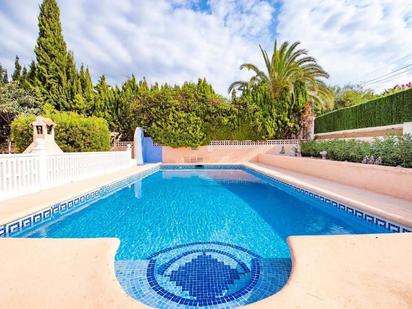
(350, 95)
(74, 132)
(179, 116)
(393, 150)
(22, 131)
(17, 74)
(290, 80)
(178, 129)
(14, 100)
(393, 109)
(4, 79)
(51, 54)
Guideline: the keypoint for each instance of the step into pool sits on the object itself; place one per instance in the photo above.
(199, 236)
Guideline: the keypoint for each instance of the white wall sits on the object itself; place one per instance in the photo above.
(25, 173)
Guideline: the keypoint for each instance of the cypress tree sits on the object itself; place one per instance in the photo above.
(51, 54)
(32, 73)
(17, 70)
(87, 90)
(3, 75)
(24, 74)
(74, 94)
(103, 99)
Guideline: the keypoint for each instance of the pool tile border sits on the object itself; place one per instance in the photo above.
(20, 225)
(363, 215)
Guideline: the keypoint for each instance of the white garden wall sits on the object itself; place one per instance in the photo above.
(24, 173)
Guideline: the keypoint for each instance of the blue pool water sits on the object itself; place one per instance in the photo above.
(203, 237)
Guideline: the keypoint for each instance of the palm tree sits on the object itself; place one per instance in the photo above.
(288, 67)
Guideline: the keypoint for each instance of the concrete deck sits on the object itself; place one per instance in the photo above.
(351, 271)
(348, 271)
(385, 206)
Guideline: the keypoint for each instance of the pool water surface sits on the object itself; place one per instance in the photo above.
(203, 237)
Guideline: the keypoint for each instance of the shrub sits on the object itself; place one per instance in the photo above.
(178, 129)
(393, 150)
(74, 133)
(22, 131)
(392, 109)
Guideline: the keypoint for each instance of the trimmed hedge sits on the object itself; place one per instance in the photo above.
(392, 109)
(392, 150)
(74, 133)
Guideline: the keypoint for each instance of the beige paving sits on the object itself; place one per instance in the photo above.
(22, 206)
(391, 208)
(60, 273)
(349, 271)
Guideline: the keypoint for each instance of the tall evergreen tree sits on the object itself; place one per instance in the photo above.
(32, 73)
(24, 74)
(87, 89)
(17, 70)
(51, 53)
(4, 79)
(103, 100)
(75, 100)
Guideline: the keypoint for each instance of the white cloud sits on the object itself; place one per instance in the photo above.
(166, 41)
(355, 40)
(177, 40)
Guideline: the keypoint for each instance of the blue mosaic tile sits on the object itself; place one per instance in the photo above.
(13, 227)
(37, 218)
(207, 275)
(55, 209)
(47, 213)
(26, 222)
(380, 222)
(394, 228)
(3, 231)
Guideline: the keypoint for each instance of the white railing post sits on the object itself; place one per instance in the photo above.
(41, 151)
(407, 128)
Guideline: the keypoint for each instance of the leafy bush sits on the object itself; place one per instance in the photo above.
(74, 133)
(392, 109)
(393, 150)
(179, 129)
(22, 131)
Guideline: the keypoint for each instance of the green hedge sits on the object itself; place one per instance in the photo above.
(392, 109)
(393, 150)
(74, 133)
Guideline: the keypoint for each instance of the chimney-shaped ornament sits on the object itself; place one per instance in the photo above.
(43, 137)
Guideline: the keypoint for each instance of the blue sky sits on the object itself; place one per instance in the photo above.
(177, 40)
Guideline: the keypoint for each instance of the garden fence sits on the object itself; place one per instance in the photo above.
(25, 173)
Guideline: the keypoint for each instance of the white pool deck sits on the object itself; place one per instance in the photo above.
(350, 271)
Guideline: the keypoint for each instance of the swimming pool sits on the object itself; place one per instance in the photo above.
(203, 236)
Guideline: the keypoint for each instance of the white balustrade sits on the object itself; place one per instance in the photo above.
(24, 173)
